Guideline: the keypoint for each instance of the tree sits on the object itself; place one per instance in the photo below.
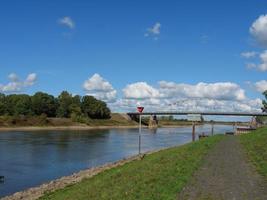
(75, 106)
(94, 108)
(43, 103)
(3, 109)
(18, 104)
(64, 101)
(264, 102)
(23, 105)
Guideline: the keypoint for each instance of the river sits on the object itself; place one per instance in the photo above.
(31, 158)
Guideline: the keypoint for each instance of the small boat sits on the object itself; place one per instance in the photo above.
(241, 130)
(2, 179)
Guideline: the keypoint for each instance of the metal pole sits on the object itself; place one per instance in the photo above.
(140, 126)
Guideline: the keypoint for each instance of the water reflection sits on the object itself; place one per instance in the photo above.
(30, 158)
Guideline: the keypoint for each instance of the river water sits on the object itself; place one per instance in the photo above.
(29, 159)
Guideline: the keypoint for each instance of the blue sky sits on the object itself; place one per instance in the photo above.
(64, 43)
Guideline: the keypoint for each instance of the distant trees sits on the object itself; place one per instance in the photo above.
(64, 102)
(3, 107)
(264, 102)
(15, 104)
(65, 105)
(43, 103)
(94, 108)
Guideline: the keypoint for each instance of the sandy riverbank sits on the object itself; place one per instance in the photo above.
(52, 128)
(77, 128)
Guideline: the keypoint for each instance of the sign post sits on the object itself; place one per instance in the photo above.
(140, 110)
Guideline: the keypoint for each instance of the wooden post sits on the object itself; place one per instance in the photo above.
(212, 128)
(193, 132)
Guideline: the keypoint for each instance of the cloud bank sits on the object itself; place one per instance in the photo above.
(258, 30)
(17, 85)
(171, 96)
(261, 86)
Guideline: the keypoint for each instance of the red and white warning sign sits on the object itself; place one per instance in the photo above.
(140, 109)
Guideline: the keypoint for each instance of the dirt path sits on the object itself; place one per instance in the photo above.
(226, 175)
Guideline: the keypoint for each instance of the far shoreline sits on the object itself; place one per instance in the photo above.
(78, 128)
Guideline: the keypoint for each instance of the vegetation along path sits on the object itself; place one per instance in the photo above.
(226, 175)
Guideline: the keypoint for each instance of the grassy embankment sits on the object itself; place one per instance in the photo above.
(255, 144)
(117, 119)
(160, 175)
(42, 121)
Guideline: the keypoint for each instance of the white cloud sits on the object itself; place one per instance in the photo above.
(16, 85)
(154, 31)
(140, 90)
(30, 80)
(220, 91)
(263, 65)
(261, 86)
(249, 54)
(251, 66)
(259, 30)
(67, 21)
(100, 88)
(13, 77)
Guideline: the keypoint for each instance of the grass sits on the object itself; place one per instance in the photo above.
(255, 144)
(115, 120)
(159, 175)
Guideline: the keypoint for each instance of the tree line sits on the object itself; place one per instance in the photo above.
(65, 105)
(264, 102)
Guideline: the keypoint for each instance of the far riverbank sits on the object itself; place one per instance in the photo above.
(78, 128)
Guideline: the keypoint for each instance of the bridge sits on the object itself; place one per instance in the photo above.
(200, 113)
(253, 114)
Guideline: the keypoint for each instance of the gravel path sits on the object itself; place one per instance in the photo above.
(226, 174)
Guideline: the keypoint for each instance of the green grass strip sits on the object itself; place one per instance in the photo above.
(159, 175)
(255, 144)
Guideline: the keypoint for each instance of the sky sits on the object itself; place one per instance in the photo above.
(164, 55)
